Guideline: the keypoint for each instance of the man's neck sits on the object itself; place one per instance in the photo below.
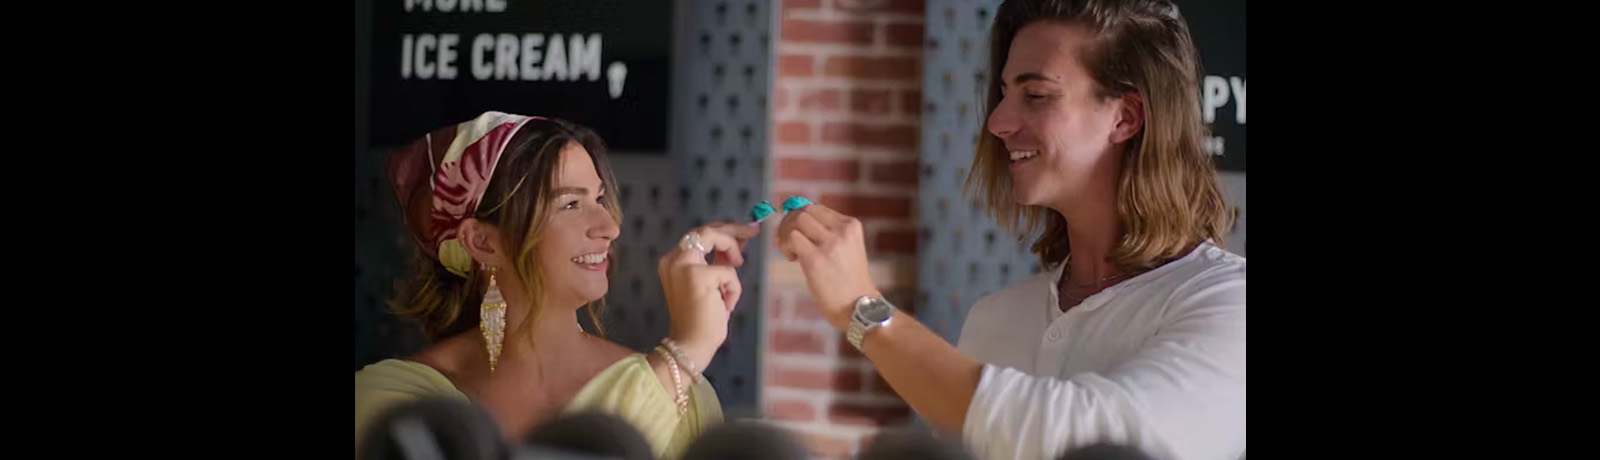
(1093, 231)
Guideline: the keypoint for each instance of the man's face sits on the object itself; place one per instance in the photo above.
(1059, 135)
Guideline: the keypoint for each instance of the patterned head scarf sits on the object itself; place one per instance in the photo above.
(440, 179)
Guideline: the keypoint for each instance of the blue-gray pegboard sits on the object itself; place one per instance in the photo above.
(724, 89)
(716, 169)
(980, 258)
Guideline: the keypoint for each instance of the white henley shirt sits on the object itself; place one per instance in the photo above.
(1156, 361)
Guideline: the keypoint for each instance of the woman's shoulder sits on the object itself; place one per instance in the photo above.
(630, 389)
(385, 384)
(631, 382)
(403, 376)
(626, 373)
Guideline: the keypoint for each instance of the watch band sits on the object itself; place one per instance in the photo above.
(856, 331)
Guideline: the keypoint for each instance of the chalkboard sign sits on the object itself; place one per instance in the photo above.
(601, 63)
(1218, 30)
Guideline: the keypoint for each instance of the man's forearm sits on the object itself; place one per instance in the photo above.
(929, 374)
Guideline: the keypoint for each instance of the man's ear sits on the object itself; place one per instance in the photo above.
(1130, 117)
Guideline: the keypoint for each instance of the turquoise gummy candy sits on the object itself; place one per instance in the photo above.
(761, 211)
(795, 202)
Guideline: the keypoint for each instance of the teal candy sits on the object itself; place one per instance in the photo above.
(761, 211)
(795, 202)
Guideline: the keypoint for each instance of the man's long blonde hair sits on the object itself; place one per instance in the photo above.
(1167, 194)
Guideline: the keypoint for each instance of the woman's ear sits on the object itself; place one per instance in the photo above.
(482, 241)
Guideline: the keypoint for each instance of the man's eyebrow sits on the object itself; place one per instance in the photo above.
(1030, 76)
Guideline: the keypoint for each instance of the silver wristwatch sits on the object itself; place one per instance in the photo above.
(871, 312)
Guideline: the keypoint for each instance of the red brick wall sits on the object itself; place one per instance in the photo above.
(847, 106)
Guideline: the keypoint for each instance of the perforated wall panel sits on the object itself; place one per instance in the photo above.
(963, 255)
(721, 119)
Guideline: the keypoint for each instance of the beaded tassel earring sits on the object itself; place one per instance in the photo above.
(492, 320)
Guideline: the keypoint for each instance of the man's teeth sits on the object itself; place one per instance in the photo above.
(1023, 154)
(590, 259)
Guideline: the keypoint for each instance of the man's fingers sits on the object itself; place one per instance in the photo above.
(824, 214)
(800, 247)
(813, 228)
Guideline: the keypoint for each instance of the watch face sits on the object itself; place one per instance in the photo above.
(876, 311)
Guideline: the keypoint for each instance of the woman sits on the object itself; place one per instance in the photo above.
(1135, 333)
(514, 218)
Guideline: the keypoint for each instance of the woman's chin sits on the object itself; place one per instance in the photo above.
(592, 295)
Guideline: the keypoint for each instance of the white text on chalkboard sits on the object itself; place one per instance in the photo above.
(527, 57)
(1213, 145)
(1216, 94)
(451, 6)
(510, 57)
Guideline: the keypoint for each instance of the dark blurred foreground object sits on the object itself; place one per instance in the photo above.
(1106, 451)
(912, 443)
(586, 435)
(741, 440)
(435, 429)
(449, 429)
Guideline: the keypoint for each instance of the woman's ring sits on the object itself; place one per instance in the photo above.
(691, 240)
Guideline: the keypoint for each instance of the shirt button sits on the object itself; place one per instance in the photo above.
(1054, 336)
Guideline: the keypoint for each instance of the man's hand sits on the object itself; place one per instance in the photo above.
(833, 254)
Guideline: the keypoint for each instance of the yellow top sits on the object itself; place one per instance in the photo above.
(628, 389)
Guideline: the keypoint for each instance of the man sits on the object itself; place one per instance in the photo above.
(1135, 332)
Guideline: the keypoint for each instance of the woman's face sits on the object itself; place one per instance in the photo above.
(575, 246)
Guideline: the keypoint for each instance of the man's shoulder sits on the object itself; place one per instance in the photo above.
(1212, 267)
(1209, 281)
(1021, 292)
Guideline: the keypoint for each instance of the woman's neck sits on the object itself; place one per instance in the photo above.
(553, 325)
(555, 328)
